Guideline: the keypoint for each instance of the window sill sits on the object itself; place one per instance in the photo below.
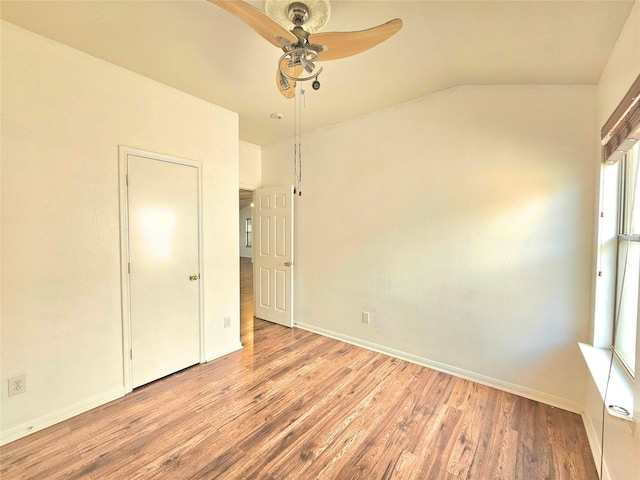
(619, 399)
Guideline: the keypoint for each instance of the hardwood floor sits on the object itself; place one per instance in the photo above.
(296, 405)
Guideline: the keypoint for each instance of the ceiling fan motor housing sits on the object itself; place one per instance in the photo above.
(298, 13)
(313, 14)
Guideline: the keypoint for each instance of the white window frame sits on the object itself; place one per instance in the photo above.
(612, 379)
(620, 392)
(627, 239)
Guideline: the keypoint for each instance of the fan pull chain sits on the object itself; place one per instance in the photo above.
(297, 139)
(303, 99)
(295, 168)
(300, 169)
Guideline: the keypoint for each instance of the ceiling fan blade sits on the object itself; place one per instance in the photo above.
(345, 44)
(281, 80)
(262, 24)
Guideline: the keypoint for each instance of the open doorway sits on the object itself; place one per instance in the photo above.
(246, 266)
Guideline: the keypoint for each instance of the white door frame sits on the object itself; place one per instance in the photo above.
(123, 153)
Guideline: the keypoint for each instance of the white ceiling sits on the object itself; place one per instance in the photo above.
(198, 48)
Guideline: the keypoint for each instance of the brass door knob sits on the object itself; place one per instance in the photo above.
(193, 278)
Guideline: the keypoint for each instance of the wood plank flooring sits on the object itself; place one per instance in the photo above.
(296, 405)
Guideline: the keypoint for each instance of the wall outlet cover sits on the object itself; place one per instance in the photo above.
(17, 385)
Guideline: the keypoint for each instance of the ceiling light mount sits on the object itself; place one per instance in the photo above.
(313, 14)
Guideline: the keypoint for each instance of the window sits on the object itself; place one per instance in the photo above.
(616, 304)
(247, 232)
(628, 261)
(615, 324)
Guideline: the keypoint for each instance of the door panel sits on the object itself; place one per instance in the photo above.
(265, 236)
(164, 254)
(265, 293)
(281, 236)
(281, 290)
(274, 256)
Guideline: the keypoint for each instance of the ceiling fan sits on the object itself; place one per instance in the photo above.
(292, 26)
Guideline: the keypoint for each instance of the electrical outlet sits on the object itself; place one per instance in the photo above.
(17, 385)
(366, 318)
(227, 322)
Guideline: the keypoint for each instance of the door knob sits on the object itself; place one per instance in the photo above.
(287, 264)
(193, 278)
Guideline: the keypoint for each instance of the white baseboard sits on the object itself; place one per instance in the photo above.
(223, 351)
(529, 393)
(58, 416)
(594, 442)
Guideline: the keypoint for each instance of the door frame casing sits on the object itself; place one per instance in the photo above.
(123, 153)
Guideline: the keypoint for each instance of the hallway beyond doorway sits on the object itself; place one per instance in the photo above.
(246, 302)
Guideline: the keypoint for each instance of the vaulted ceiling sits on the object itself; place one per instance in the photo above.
(196, 47)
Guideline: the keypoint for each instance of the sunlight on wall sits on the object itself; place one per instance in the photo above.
(461, 226)
(522, 222)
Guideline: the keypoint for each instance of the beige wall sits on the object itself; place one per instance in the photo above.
(462, 222)
(250, 166)
(63, 116)
(622, 440)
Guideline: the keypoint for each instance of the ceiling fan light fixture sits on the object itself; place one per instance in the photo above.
(307, 65)
(284, 84)
(296, 57)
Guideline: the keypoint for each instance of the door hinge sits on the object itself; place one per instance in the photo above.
(126, 179)
(131, 354)
(129, 267)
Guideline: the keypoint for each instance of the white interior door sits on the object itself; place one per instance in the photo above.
(273, 254)
(164, 298)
